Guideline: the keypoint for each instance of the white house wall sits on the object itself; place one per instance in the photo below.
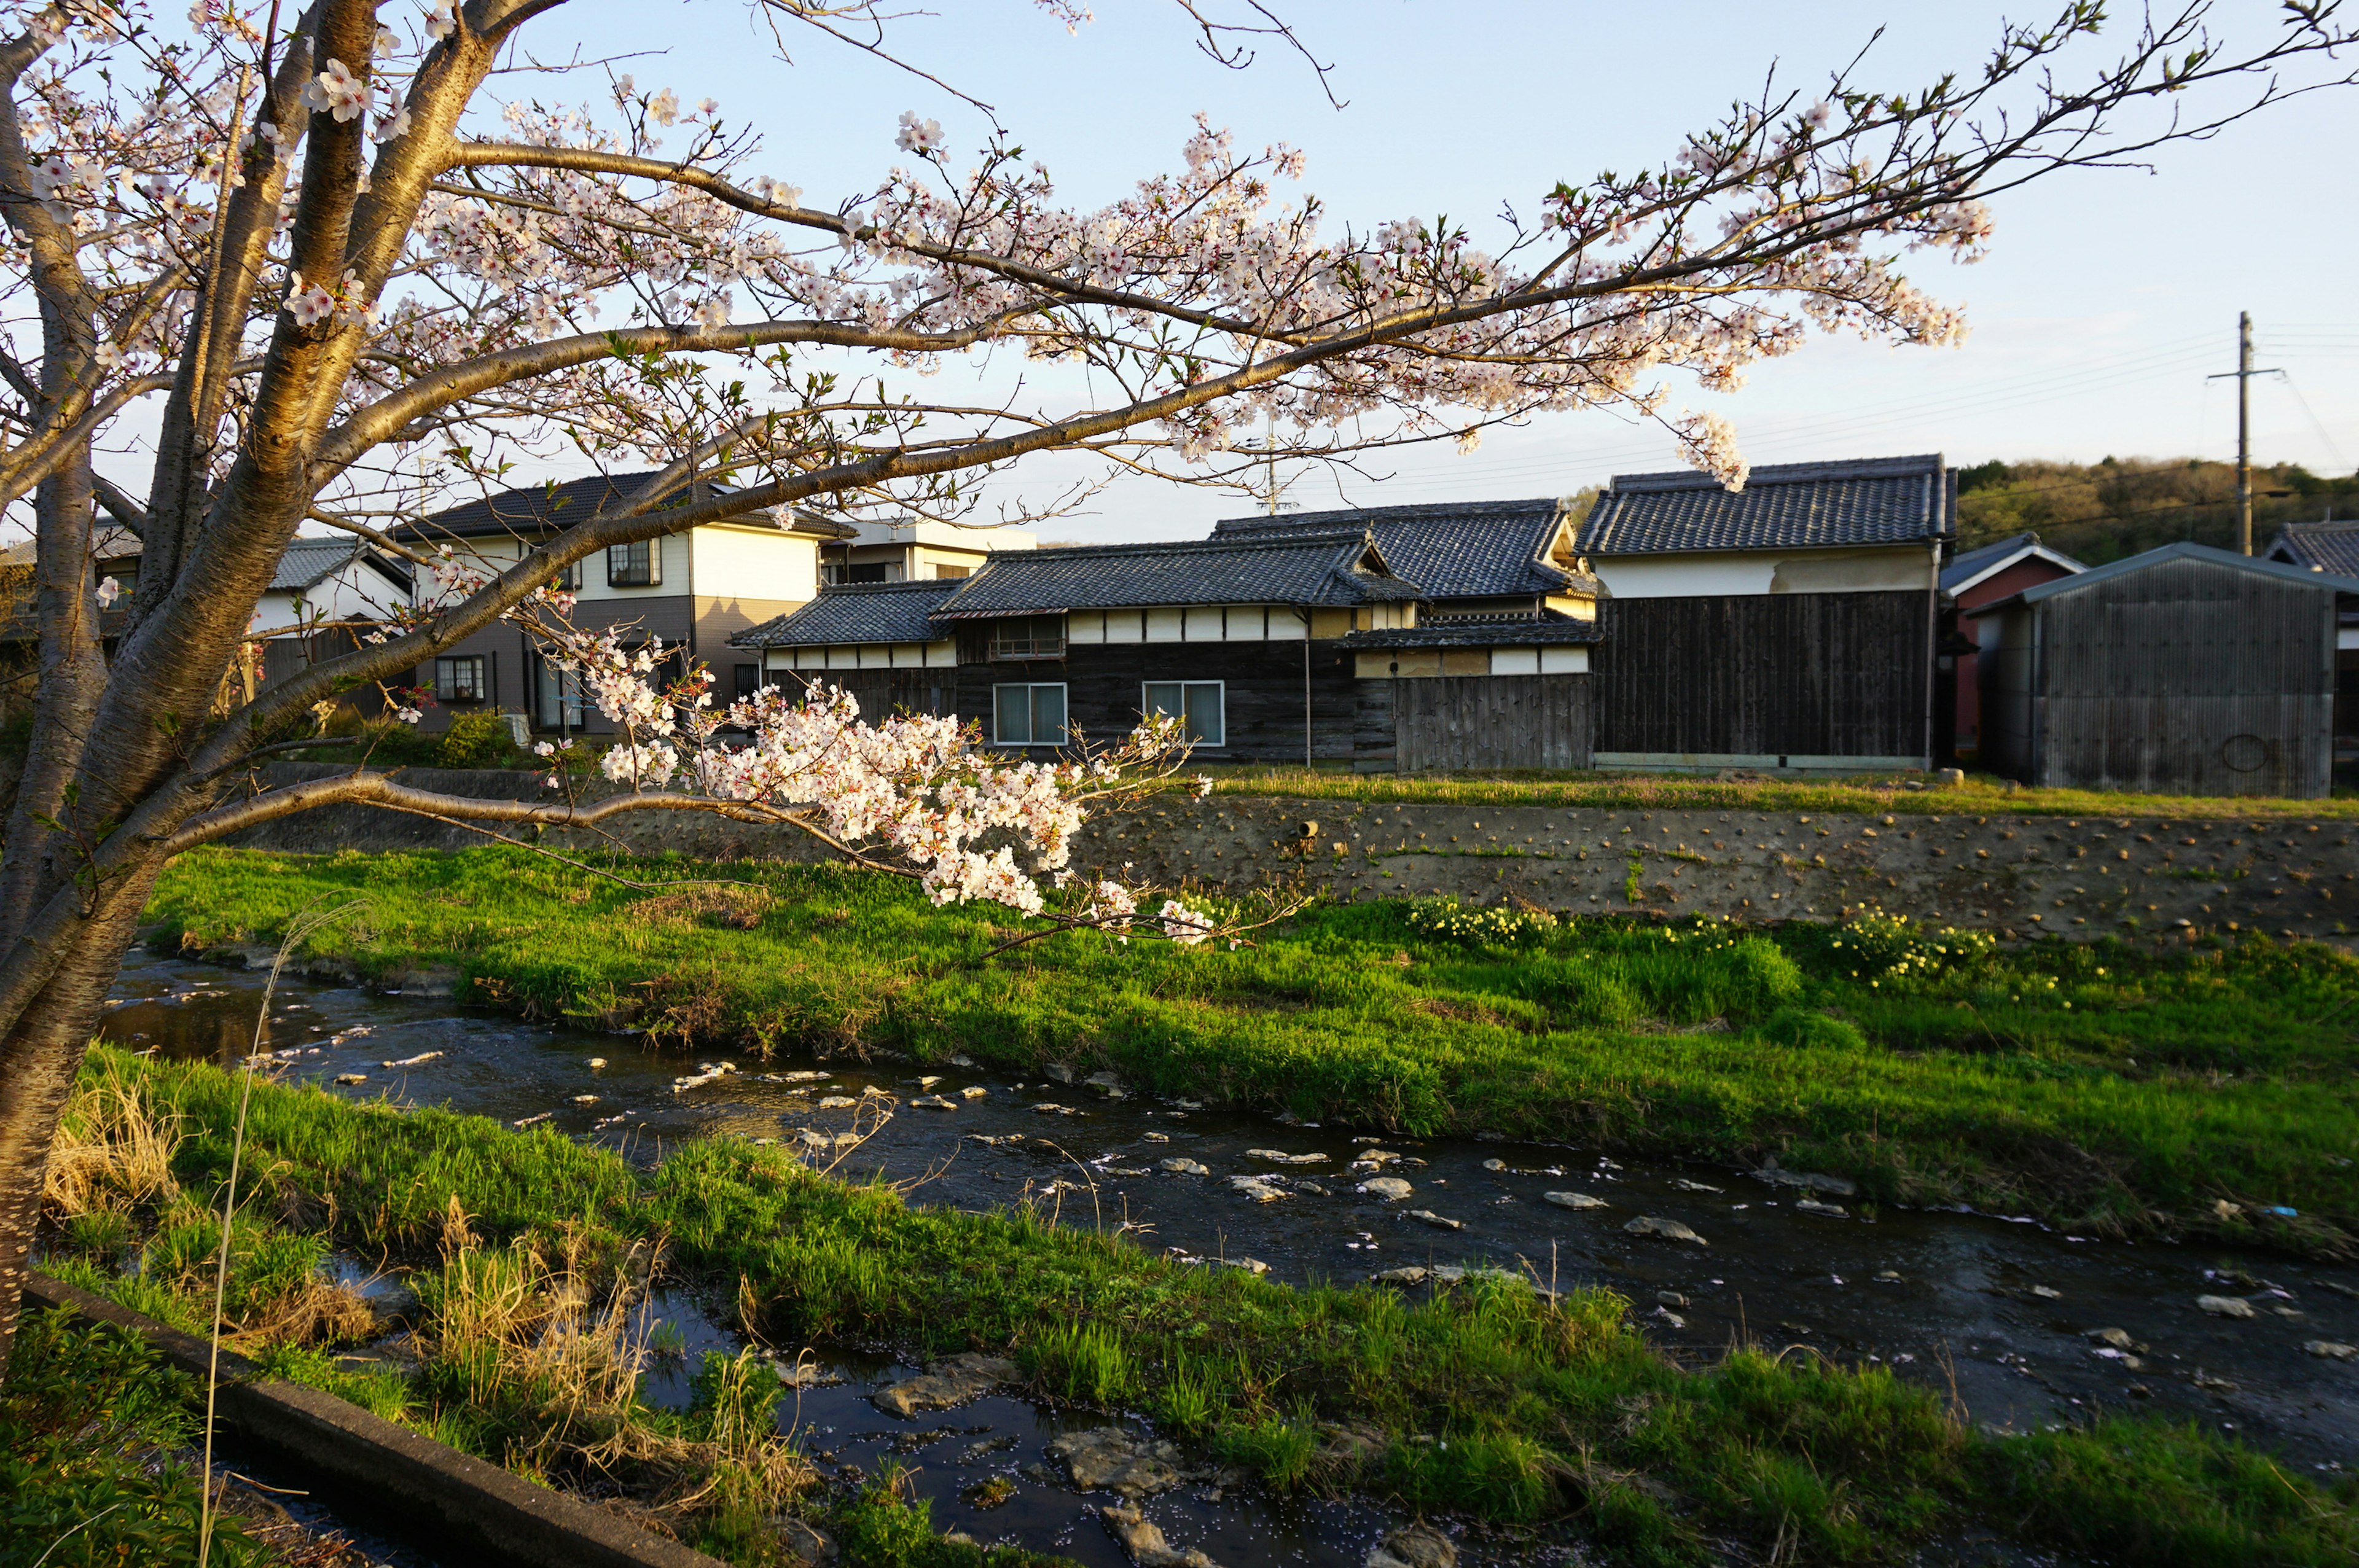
(741, 563)
(356, 593)
(1765, 571)
(678, 578)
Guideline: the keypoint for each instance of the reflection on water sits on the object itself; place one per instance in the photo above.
(2008, 1310)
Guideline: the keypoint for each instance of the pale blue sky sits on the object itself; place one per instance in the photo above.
(2108, 296)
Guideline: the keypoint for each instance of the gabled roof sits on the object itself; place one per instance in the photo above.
(858, 613)
(2184, 551)
(1985, 561)
(2331, 546)
(1465, 549)
(1783, 506)
(1546, 631)
(108, 542)
(309, 562)
(534, 509)
(1317, 569)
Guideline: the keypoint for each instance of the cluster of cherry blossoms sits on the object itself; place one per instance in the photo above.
(917, 788)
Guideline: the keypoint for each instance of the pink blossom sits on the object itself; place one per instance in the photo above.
(337, 91)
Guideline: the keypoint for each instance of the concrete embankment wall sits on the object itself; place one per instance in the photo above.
(2080, 876)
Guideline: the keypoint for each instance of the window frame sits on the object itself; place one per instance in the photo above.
(745, 687)
(1032, 644)
(446, 687)
(1221, 688)
(648, 573)
(1031, 712)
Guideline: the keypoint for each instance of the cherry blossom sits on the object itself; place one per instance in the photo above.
(338, 91)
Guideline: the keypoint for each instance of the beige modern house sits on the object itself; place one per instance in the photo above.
(693, 590)
(911, 549)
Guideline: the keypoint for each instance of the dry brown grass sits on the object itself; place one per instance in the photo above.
(739, 908)
(534, 1332)
(113, 1150)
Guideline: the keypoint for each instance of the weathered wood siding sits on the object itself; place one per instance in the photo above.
(1264, 690)
(1821, 675)
(1449, 723)
(883, 693)
(2188, 677)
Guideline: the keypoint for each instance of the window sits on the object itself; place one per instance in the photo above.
(943, 569)
(1027, 715)
(749, 680)
(459, 679)
(557, 697)
(636, 565)
(566, 578)
(1201, 704)
(1028, 637)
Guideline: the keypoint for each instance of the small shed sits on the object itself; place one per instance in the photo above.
(2186, 670)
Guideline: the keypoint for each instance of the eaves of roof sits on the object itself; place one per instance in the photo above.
(1471, 549)
(1545, 632)
(535, 509)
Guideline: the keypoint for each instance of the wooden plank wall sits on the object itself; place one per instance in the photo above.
(1264, 696)
(1449, 723)
(1801, 674)
(883, 693)
(2188, 677)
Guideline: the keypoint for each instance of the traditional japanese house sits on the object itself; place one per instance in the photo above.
(1790, 624)
(2331, 546)
(1242, 637)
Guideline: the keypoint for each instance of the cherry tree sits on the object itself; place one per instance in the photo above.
(330, 270)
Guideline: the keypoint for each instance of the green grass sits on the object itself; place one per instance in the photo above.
(2109, 1087)
(90, 1427)
(1981, 794)
(1488, 1400)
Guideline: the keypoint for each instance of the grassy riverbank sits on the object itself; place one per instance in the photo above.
(2106, 1086)
(1982, 795)
(1489, 1399)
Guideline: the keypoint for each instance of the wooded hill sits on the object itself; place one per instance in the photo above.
(2102, 512)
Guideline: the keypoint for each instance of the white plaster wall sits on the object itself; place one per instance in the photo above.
(1761, 572)
(743, 563)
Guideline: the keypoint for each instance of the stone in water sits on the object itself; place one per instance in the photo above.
(1574, 1200)
(1669, 1230)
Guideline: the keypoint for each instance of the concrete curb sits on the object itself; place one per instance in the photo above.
(487, 1514)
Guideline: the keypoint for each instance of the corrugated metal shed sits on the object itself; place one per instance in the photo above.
(2184, 670)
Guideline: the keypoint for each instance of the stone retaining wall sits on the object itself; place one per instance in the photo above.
(2080, 876)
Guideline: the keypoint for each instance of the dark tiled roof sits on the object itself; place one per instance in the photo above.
(2331, 546)
(1331, 568)
(540, 508)
(307, 561)
(856, 612)
(1467, 549)
(1548, 632)
(1783, 506)
(1982, 559)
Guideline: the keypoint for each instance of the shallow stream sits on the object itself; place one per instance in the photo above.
(2002, 1308)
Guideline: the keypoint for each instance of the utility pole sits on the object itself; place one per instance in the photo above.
(2243, 373)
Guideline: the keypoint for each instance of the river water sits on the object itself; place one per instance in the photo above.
(2000, 1308)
